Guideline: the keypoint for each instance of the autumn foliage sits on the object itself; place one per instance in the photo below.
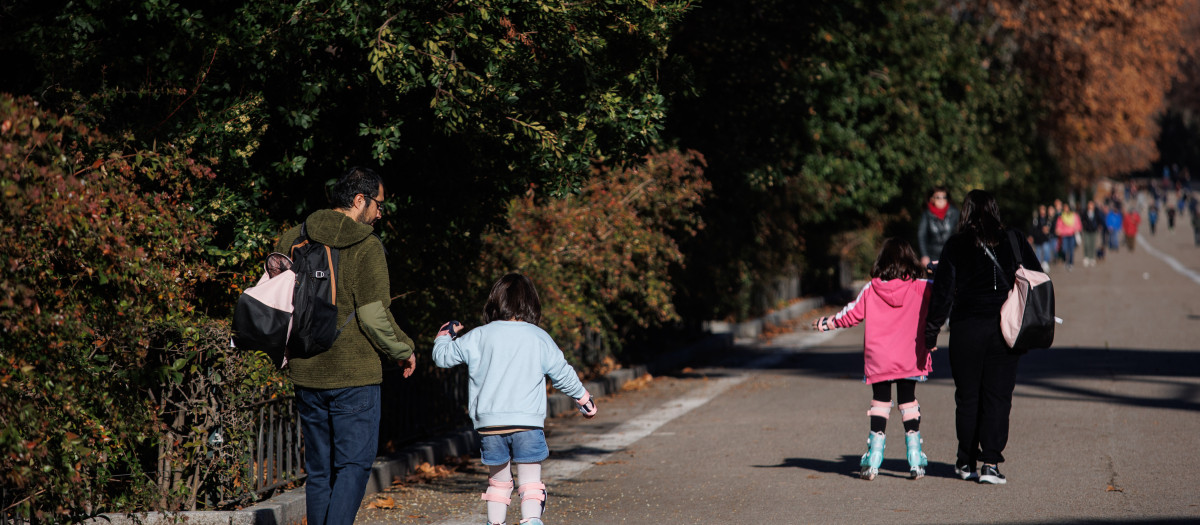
(1104, 68)
(109, 381)
(602, 259)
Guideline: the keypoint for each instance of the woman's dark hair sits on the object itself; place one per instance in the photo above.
(937, 189)
(513, 297)
(981, 218)
(356, 180)
(897, 260)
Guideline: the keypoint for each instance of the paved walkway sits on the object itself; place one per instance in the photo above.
(1105, 427)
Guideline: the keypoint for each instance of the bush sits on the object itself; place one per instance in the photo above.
(601, 259)
(110, 373)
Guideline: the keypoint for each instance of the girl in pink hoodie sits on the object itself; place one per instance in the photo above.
(894, 348)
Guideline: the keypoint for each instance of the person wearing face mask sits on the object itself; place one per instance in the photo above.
(938, 221)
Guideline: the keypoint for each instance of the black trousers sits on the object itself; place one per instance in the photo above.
(985, 373)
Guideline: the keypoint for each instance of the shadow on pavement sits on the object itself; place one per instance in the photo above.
(848, 466)
(1056, 370)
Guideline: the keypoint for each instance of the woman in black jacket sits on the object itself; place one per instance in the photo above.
(983, 366)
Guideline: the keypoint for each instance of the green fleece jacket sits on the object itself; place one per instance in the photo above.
(362, 288)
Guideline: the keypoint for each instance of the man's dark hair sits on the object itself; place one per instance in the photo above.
(513, 297)
(981, 218)
(937, 189)
(897, 260)
(356, 180)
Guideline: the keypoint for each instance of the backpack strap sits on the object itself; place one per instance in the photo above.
(333, 255)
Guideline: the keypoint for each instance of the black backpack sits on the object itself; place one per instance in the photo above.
(314, 302)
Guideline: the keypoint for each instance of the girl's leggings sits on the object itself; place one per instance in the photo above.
(906, 396)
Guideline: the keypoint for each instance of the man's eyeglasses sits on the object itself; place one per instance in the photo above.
(378, 203)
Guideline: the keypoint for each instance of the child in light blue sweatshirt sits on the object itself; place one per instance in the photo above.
(508, 359)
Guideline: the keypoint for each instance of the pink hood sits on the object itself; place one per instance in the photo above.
(893, 292)
(894, 311)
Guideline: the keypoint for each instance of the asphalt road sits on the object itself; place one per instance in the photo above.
(1105, 427)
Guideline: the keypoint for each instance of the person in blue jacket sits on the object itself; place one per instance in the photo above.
(508, 360)
(1113, 222)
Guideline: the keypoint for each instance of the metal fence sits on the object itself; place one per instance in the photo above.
(432, 401)
(278, 451)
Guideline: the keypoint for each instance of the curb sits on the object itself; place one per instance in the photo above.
(753, 328)
(288, 508)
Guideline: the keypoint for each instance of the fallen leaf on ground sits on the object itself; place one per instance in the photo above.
(425, 473)
(639, 383)
(382, 502)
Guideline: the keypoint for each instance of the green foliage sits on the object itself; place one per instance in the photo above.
(601, 259)
(821, 117)
(485, 96)
(103, 251)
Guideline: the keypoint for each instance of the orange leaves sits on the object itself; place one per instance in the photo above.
(1104, 68)
(601, 259)
(382, 502)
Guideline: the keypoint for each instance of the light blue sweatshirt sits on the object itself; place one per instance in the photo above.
(507, 362)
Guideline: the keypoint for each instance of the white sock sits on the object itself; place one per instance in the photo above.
(530, 473)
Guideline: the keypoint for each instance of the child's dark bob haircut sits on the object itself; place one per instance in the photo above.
(897, 260)
(513, 298)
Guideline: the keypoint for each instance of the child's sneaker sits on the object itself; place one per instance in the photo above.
(966, 472)
(991, 474)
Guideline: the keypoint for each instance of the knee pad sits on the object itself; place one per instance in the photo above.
(881, 409)
(530, 491)
(910, 411)
(533, 491)
(498, 491)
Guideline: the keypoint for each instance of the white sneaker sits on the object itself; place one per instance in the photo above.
(966, 472)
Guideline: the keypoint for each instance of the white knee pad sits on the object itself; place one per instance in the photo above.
(910, 411)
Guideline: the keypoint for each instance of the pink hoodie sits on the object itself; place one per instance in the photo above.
(894, 346)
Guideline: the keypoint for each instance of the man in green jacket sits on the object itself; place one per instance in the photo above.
(338, 390)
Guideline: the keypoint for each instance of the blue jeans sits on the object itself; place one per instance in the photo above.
(1045, 252)
(1068, 248)
(341, 438)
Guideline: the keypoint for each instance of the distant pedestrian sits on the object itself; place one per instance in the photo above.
(1170, 218)
(1195, 210)
(508, 360)
(1092, 222)
(1113, 221)
(894, 350)
(1042, 235)
(984, 368)
(1130, 223)
(1152, 218)
(1067, 228)
(938, 221)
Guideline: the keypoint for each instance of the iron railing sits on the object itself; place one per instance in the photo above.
(278, 451)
